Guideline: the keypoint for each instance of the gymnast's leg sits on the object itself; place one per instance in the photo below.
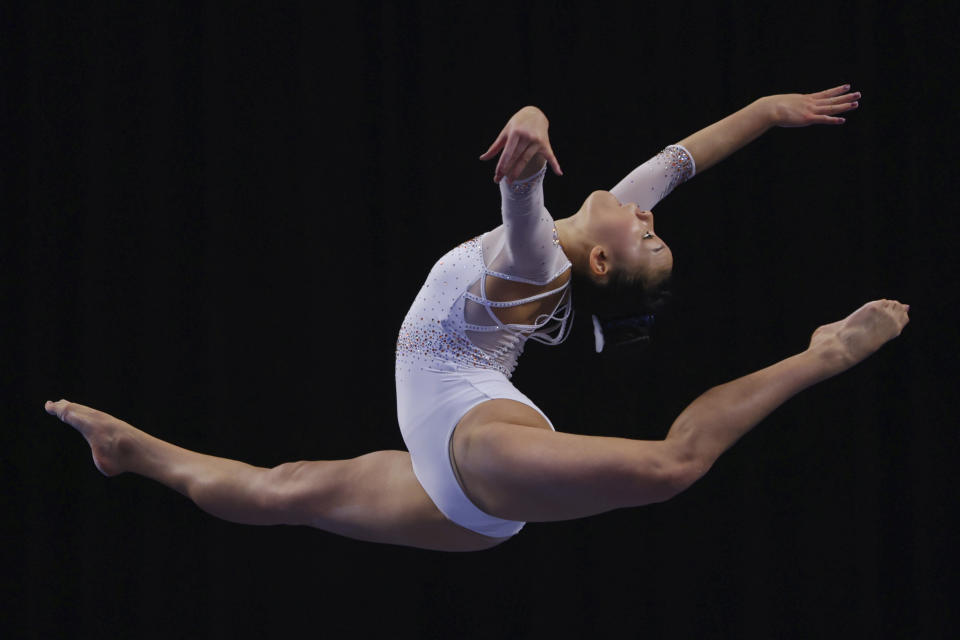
(374, 497)
(512, 469)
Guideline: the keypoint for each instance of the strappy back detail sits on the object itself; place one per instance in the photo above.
(539, 331)
(513, 303)
(561, 312)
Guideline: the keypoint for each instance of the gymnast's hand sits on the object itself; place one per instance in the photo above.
(801, 110)
(523, 138)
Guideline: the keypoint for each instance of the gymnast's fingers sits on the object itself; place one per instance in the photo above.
(829, 120)
(829, 93)
(496, 146)
(506, 158)
(525, 158)
(552, 159)
(847, 97)
(839, 108)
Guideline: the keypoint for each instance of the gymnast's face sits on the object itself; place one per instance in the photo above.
(625, 239)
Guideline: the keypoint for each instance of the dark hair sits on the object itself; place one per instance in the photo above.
(623, 309)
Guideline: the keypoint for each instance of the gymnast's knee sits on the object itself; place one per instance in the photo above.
(299, 492)
(673, 472)
(682, 477)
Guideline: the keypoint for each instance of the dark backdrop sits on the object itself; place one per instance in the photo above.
(216, 217)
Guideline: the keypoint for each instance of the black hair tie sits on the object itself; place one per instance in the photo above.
(619, 331)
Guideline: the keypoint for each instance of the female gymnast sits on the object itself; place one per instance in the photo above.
(483, 459)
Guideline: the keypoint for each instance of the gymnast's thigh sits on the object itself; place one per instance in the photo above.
(380, 500)
(512, 465)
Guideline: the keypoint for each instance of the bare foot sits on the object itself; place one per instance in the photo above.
(107, 436)
(853, 339)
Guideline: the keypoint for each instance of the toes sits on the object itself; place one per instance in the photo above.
(56, 408)
(65, 410)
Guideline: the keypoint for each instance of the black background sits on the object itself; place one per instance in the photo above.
(215, 218)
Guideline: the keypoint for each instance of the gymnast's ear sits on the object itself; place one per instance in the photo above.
(599, 261)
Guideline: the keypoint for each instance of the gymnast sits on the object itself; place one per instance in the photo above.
(483, 459)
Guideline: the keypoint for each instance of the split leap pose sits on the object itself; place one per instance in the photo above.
(483, 459)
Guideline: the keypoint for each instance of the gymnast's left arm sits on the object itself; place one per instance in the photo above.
(717, 141)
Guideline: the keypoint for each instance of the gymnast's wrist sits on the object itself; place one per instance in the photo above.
(766, 108)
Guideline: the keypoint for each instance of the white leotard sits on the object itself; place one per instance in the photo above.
(453, 353)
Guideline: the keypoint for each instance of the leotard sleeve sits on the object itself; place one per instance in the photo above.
(529, 250)
(653, 180)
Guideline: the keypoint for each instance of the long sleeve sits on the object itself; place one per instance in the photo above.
(526, 250)
(653, 180)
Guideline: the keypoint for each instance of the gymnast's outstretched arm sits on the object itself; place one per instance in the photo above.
(712, 144)
(653, 180)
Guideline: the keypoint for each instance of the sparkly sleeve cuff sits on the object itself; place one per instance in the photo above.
(653, 180)
(522, 188)
(683, 161)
